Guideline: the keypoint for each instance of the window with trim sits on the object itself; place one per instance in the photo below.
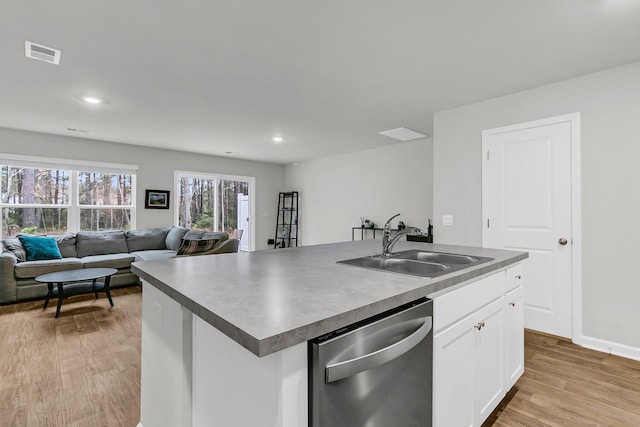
(54, 198)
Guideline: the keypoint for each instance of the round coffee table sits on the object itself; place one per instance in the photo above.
(76, 282)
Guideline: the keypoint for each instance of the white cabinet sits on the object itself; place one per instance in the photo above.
(453, 372)
(478, 348)
(468, 368)
(488, 381)
(514, 346)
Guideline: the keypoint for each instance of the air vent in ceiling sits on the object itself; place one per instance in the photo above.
(403, 134)
(41, 53)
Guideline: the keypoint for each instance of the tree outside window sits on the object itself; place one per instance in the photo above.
(39, 200)
(34, 200)
(105, 201)
(209, 203)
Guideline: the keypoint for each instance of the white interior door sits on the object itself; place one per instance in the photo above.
(243, 221)
(527, 205)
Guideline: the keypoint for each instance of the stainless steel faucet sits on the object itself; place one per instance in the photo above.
(388, 241)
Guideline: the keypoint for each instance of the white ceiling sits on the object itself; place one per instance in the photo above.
(213, 76)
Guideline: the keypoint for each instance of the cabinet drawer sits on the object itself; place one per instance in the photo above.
(515, 276)
(457, 304)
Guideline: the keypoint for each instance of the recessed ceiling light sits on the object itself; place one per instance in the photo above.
(403, 134)
(277, 139)
(92, 100)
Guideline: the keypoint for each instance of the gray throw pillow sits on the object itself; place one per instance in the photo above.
(193, 235)
(174, 237)
(13, 245)
(101, 243)
(146, 240)
(218, 235)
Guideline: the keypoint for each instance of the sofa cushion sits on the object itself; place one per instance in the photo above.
(190, 247)
(66, 244)
(174, 237)
(29, 269)
(13, 245)
(40, 248)
(108, 261)
(154, 255)
(144, 240)
(101, 243)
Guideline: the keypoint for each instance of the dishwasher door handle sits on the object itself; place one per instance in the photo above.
(340, 370)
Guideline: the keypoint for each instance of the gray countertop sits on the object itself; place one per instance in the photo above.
(273, 299)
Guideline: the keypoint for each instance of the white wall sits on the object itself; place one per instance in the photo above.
(156, 171)
(609, 103)
(378, 183)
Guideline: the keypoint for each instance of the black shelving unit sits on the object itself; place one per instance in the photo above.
(287, 220)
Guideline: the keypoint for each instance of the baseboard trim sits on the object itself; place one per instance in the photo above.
(610, 347)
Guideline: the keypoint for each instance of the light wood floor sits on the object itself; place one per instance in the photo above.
(567, 385)
(83, 369)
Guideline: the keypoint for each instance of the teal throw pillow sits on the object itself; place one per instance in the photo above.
(40, 248)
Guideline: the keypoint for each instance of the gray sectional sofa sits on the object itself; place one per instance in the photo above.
(108, 249)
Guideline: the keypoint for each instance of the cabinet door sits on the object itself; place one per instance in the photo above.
(453, 371)
(488, 379)
(514, 348)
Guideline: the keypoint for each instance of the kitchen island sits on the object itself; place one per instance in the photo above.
(224, 336)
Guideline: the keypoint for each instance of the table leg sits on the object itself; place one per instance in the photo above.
(60, 298)
(93, 284)
(107, 280)
(49, 295)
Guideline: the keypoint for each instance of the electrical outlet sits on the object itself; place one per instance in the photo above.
(271, 242)
(447, 220)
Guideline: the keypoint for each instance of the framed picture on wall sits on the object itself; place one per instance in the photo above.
(156, 199)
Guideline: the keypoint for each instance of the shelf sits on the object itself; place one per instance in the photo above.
(287, 220)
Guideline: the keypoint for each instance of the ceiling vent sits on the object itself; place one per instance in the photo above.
(41, 53)
(403, 134)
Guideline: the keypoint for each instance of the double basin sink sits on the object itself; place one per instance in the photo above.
(418, 263)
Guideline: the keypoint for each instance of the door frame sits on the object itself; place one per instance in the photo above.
(211, 175)
(576, 207)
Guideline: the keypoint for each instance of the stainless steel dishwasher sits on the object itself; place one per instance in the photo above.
(375, 373)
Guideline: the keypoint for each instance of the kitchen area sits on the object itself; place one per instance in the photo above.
(332, 334)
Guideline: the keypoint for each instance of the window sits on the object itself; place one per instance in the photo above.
(34, 200)
(45, 196)
(105, 201)
(215, 203)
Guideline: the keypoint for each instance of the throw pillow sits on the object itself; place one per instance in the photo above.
(193, 235)
(190, 247)
(174, 237)
(40, 248)
(13, 245)
(220, 235)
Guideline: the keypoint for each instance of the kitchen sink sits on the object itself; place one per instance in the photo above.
(438, 257)
(418, 263)
(406, 266)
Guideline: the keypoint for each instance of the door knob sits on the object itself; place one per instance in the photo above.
(563, 241)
